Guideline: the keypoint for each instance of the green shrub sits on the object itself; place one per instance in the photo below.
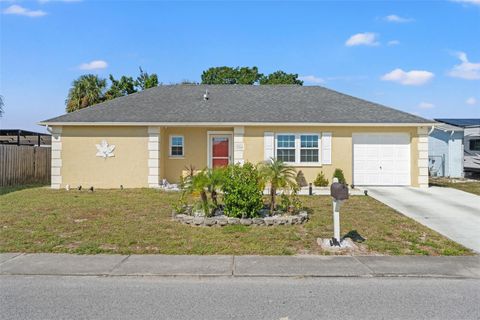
(320, 180)
(290, 203)
(339, 175)
(301, 181)
(242, 194)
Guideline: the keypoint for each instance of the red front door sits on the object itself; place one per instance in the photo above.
(220, 151)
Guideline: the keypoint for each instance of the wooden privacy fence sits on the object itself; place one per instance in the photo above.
(24, 165)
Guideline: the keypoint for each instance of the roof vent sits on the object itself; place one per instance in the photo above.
(205, 95)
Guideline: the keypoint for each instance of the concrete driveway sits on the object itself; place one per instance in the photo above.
(451, 212)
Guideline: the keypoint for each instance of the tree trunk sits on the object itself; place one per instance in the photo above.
(214, 198)
(213, 195)
(273, 192)
(203, 196)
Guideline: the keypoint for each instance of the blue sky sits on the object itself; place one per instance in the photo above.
(420, 57)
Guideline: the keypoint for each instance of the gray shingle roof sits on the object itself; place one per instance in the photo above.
(239, 104)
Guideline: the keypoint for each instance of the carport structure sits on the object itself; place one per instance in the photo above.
(21, 137)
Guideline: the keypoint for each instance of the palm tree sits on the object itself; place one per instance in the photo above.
(278, 175)
(146, 81)
(85, 91)
(215, 180)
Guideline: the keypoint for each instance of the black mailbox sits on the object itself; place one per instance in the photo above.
(339, 191)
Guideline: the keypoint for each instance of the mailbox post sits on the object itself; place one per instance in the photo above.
(339, 193)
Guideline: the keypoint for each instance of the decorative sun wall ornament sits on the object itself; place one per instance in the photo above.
(105, 150)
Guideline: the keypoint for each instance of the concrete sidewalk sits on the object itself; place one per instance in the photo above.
(239, 266)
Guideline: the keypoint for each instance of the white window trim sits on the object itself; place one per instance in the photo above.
(297, 135)
(170, 139)
(287, 148)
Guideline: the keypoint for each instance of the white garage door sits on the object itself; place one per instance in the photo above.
(381, 159)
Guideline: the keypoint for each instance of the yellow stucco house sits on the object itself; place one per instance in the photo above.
(139, 140)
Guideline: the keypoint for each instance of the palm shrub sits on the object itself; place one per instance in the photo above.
(278, 175)
(242, 191)
(205, 182)
(198, 184)
(214, 182)
(338, 173)
(320, 180)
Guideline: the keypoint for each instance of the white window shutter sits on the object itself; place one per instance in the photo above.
(268, 145)
(326, 148)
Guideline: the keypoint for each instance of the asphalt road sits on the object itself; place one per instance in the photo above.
(85, 297)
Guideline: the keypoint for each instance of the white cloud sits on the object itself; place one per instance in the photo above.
(397, 19)
(93, 65)
(465, 70)
(426, 105)
(311, 79)
(412, 78)
(21, 11)
(393, 43)
(471, 101)
(366, 39)
(474, 2)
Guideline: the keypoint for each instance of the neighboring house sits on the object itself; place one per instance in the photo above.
(445, 151)
(142, 138)
(471, 142)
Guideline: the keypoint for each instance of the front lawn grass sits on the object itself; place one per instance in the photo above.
(139, 221)
(467, 186)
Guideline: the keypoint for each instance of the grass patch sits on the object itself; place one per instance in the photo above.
(467, 186)
(139, 221)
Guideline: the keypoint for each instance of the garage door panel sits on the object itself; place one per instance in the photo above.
(381, 159)
(386, 152)
(402, 153)
(402, 179)
(388, 166)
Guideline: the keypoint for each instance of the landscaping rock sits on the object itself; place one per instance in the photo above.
(210, 221)
(258, 221)
(303, 215)
(188, 219)
(199, 213)
(198, 220)
(280, 220)
(292, 220)
(246, 222)
(233, 221)
(180, 217)
(222, 221)
(269, 221)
